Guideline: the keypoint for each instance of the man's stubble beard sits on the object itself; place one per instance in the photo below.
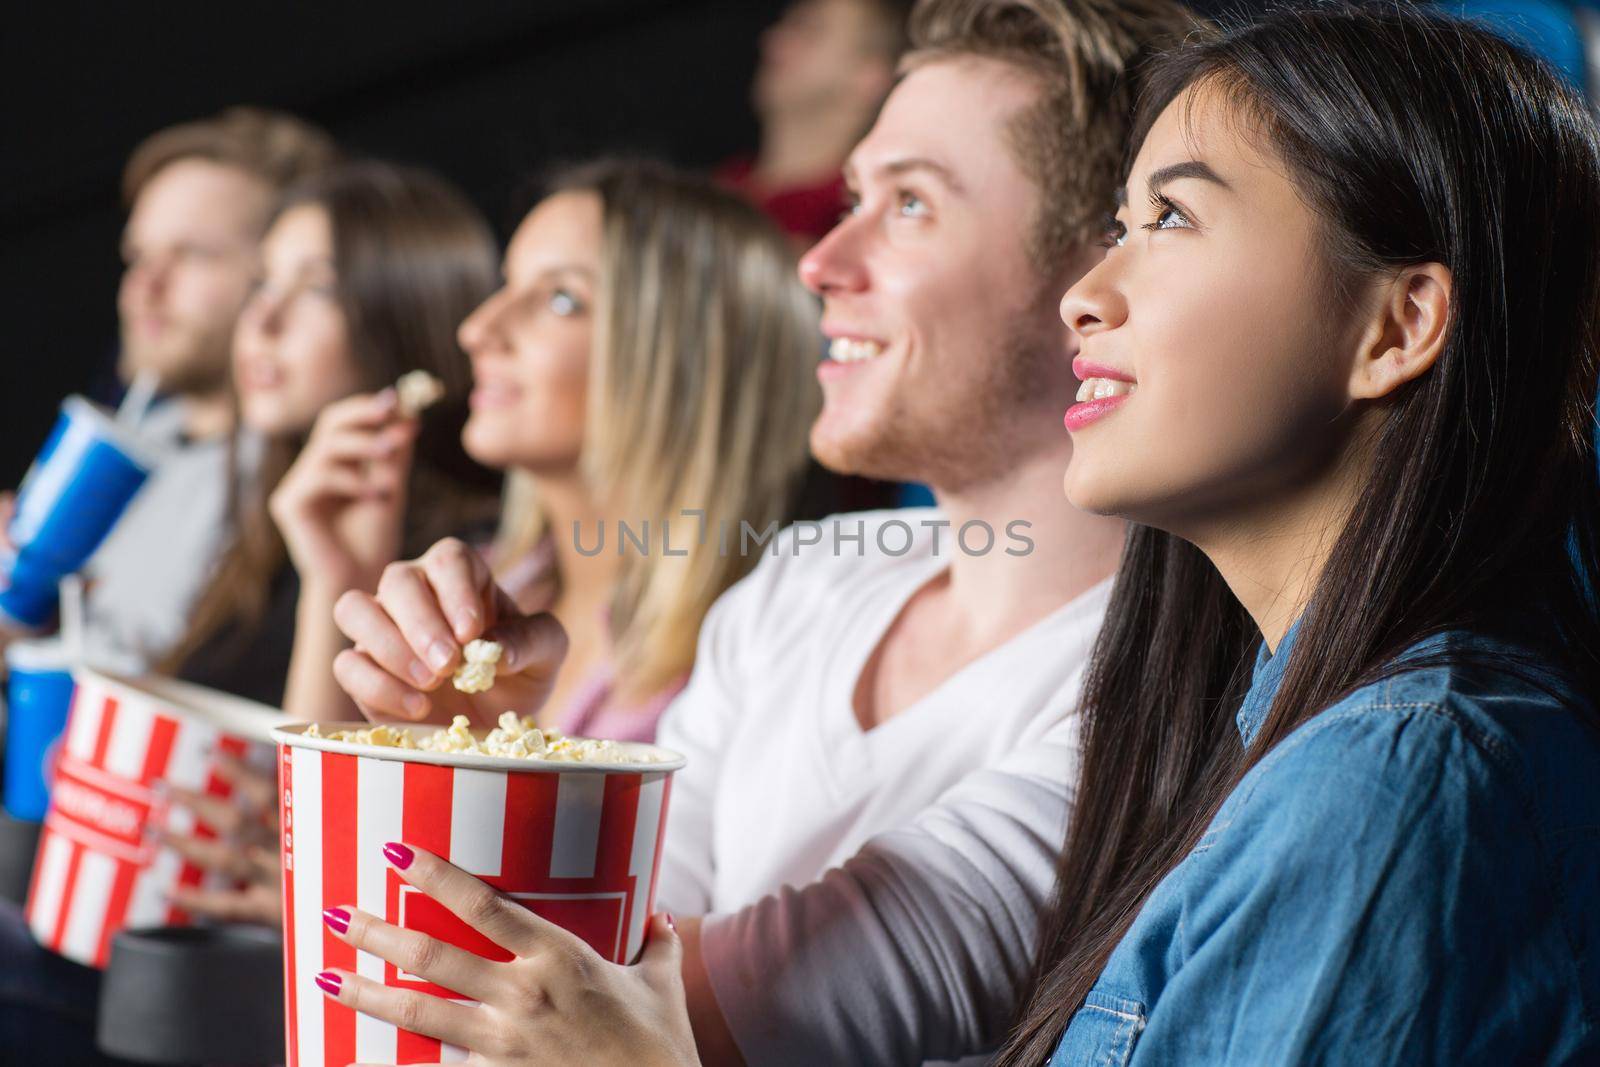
(193, 362)
(961, 438)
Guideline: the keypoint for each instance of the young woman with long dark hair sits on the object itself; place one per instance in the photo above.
(365, 272)
(1338, 799)
(1348, 329)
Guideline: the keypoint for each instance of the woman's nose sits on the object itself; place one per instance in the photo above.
(1094, 303)
(476, 329)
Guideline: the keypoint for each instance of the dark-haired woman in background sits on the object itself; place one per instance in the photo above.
(365, 274)
(1338, 801)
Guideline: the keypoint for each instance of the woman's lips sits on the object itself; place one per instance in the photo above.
(1090, 411)
(1084, 369)
(1101, 390)
(488, 397)
(257, 378)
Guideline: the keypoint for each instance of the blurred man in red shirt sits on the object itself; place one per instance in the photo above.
(825, 68)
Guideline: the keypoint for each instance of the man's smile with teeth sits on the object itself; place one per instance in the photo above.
(853, 350)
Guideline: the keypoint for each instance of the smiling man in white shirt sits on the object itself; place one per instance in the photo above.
(881, 732)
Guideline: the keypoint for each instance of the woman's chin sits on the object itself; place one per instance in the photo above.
(487, 440)
(499, 450)
(272, 420)
(1088, 493)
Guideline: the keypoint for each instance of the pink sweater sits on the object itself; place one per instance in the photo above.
(591, 712)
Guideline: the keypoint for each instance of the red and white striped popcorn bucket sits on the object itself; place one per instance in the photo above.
(97, 871)
(578, 844)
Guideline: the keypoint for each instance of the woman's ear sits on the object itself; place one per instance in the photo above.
(1408, 334)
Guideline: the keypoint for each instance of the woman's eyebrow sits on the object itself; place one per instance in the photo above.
(566, 270)
(1190, 168)
(551, 272)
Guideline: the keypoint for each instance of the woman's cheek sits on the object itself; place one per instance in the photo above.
(328, 373)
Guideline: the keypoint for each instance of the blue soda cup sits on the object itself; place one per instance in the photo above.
(38, 696)
(73, 495)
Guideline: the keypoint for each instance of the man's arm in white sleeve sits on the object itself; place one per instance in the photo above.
(917, 947)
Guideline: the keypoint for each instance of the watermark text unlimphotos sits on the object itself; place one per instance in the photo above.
(836, 536)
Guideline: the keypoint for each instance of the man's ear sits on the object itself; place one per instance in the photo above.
(1411, 322)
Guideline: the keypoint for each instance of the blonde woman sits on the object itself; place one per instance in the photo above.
(651, 354)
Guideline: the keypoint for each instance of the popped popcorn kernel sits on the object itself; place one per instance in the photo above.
(476, 673)
(416, 391)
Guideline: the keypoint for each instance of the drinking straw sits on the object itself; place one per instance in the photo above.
(137, 402)
(72, 617)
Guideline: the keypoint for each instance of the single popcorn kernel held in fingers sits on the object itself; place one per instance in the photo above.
(476, 673)
(416, 391)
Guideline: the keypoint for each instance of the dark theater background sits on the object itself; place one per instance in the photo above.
(489, 94)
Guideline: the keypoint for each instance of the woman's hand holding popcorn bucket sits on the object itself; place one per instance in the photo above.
(548, 999)
(451, 894)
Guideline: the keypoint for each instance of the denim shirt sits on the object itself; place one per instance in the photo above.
(1410, 877)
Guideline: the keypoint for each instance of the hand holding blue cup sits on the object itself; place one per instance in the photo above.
(78, 487)
(38, 696)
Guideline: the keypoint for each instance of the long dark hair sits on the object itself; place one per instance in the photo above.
(412, 257)
(1416, 139)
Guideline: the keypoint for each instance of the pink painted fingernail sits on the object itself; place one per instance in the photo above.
(671, 923)
(338, 920)
(398, 854)
(329, 983)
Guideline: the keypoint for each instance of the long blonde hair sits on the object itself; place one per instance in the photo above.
(702, 390)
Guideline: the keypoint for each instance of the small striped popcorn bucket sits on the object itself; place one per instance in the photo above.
(97, 871)
(578, 844)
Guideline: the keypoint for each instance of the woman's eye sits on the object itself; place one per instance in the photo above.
(564, 303)
(1169, 216)
(912, 206)
(1114, 234)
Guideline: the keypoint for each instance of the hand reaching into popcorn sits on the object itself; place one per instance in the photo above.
(411, 636)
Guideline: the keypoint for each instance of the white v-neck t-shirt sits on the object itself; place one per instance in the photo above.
(872, 896)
